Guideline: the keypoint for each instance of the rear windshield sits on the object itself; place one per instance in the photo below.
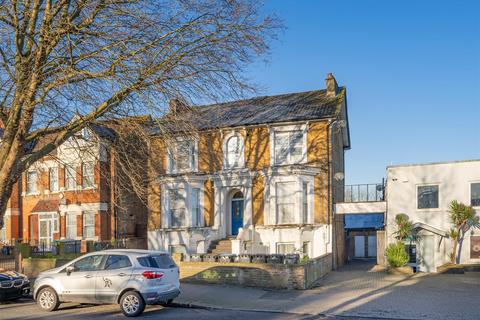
(161, 261)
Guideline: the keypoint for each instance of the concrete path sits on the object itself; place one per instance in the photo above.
(355, 291)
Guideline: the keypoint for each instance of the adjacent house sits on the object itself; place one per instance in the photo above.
(71, 194)
(261, 176)
(424, 193)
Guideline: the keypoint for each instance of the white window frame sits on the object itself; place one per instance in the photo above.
(188, 189)
(30, 183)
(91, 175)
(241, 159)
(192, 156)
(74, 177)
(283, 129)
(70, 226)
(439, 196)
(51, 187)
(91, 225)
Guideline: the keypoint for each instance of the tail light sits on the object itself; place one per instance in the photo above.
(152, 275)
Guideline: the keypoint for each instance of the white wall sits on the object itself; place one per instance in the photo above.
(360, 207)
(453, 178)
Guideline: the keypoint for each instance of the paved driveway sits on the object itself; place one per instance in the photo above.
(356, 290)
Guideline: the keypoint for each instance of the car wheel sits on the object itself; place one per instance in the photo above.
(132, 304)
(47, 299)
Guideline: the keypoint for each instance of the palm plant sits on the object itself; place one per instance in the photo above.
(404, 227)
(463, 218)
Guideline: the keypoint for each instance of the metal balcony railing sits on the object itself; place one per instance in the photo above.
(365, 192)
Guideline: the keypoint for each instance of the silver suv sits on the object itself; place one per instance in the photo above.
(131, 278)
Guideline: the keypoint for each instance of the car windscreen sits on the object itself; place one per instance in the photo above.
(161, 261)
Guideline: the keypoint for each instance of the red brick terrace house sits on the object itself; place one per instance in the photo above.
(68, 196)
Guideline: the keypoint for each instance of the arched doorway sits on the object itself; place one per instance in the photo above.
(237, 212)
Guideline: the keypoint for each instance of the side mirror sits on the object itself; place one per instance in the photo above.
(69, 270)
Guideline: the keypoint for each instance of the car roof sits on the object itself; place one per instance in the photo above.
(137, 252)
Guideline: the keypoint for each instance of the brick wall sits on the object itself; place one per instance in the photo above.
(263, 275)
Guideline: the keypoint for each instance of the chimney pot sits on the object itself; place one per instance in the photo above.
(332, 86)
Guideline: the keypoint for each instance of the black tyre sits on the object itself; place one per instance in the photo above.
(47, 299)
(132, 304)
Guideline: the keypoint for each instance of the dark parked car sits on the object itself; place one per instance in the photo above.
(13, 285)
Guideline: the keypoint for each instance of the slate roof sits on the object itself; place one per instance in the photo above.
(301, 106)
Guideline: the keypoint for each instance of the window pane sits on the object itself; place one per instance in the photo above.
(285, 198)
(177, 207)
(89, 225)
(117, 262)
(427, 197)
(233, 151)
(53, 178)
(90, 263)
(71, 226)
(32, 182)
(196, 219)
(475, 194)
(281, 147)
(285, 248)
(305, 202)
(70, 178)
(296, 146)
(88, 175)
(183, 155)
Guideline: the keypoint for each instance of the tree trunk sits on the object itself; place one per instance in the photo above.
(454, 251)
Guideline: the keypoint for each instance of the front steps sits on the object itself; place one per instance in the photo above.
(223, 246)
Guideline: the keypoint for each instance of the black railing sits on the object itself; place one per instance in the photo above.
(365, 192)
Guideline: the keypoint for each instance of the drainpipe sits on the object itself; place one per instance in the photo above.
(331, 143)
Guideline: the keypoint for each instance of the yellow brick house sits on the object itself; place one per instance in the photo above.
(261, 176)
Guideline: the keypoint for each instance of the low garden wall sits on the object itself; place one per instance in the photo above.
(263, 275)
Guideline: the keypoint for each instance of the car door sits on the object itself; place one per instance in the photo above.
(79, 284)
(113, 278)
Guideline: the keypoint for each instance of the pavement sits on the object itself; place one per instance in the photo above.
(356, 290)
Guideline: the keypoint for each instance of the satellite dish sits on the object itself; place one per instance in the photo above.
(339, 176)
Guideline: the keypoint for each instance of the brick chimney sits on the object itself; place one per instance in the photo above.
(332, 86)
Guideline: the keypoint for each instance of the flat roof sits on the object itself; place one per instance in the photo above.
(431, 163)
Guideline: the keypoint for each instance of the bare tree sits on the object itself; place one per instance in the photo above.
(99, 59)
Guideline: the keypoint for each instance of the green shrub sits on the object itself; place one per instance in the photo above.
(396, 254)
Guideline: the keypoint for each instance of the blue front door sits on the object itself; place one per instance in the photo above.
(237, 215)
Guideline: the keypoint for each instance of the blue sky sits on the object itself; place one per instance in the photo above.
(412, 71)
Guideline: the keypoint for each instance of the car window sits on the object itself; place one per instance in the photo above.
(161, 261)
(90, 263)
(117, 262)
